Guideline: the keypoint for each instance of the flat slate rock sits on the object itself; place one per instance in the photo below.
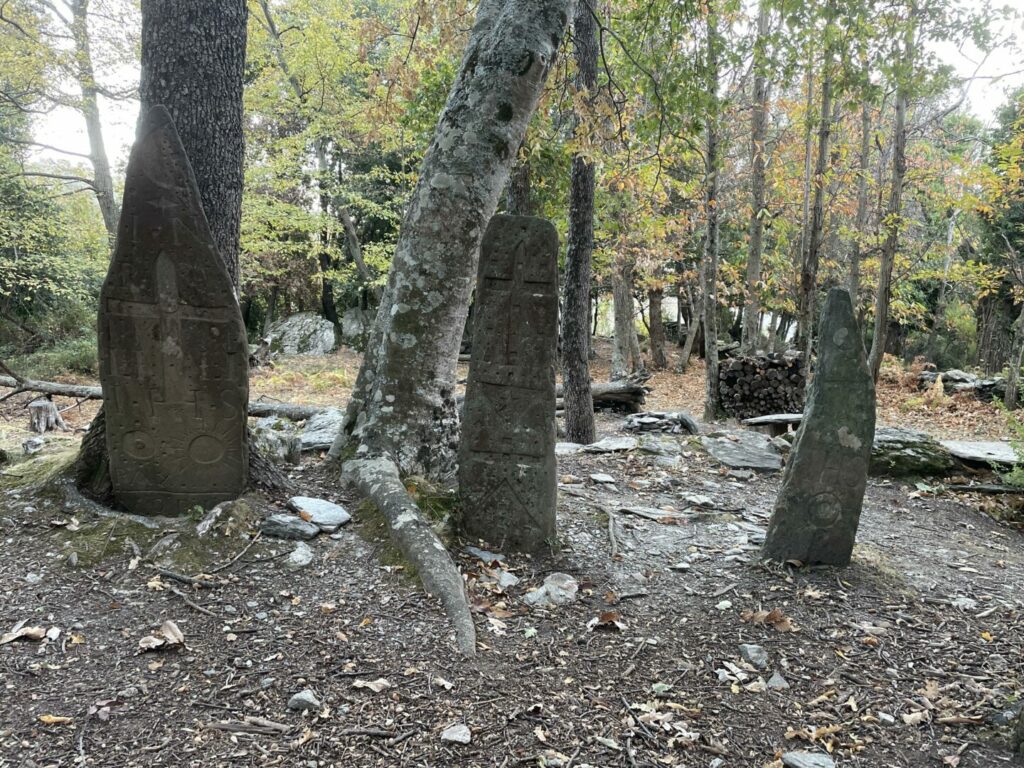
(775, 418)
(743, 450)
(898, 452)
(984, 452)
(284, 526)
(321, 429)
(807, 760)
(567, 449)
(326, 515)
(611, 445)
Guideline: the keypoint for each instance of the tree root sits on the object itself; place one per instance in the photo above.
(378, 480)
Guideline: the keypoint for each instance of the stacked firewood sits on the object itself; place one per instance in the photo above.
(761, 385)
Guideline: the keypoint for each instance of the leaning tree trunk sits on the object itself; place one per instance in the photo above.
(709, 270)
(403, 404)
(1011, 399)
(579, 406)
(193, 60)
(752, 304)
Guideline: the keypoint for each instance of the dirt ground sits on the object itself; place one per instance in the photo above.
(912, 656)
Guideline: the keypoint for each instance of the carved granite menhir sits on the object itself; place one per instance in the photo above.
(507, 471)
(173, 354)
(818, 507)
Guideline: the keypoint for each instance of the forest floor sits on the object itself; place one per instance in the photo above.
(912, 656)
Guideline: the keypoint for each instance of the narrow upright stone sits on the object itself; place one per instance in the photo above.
(818, 507)
(507, 472)
(173, 354)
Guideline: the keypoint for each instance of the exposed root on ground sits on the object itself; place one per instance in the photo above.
(378, 480)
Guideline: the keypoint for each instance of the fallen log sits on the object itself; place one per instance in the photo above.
(291, 411)
(626, 394)
(378, 480)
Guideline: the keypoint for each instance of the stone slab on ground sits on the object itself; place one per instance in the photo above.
(807, 760)
(743, 450)
(899, 452)
(284, 526)
(326, 515)
(321, 429)
(981, 452)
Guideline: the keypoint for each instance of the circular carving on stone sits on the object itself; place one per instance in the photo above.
(827, 509)
(138, 445)
(206, 449)
(840, 337)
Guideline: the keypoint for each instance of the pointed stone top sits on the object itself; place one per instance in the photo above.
(157, 117)
(840, 347)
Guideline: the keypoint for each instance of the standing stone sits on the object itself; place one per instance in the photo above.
(818, 507)
(507, 473)
(173, 354)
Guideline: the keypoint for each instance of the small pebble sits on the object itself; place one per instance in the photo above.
(457, 734)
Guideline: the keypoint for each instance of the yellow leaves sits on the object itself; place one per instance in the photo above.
(987, 636)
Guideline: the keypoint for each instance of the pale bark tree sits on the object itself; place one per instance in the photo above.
(403, 403)
(402, 417)
(752, 304)
(579, 403)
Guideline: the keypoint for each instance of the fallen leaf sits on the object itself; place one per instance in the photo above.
(376, 686)
(23, 633)
(916, 718)
(607, 620)
(55, 719)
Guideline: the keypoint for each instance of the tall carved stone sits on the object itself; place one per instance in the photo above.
(818, 507)
(173, 354)
(507, 472)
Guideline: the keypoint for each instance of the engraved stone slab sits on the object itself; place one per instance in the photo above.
(507, 471)
(819, 504)
(173, 353)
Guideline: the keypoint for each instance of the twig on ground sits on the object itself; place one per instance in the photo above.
(190, 604)
(237, 557)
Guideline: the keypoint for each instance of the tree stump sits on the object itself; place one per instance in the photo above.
(44, 416)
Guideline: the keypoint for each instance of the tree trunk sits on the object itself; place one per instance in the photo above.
(520, 196)
(709, 268)
(579, 411)
(1012, 397)
(625, 328)
(403, 404)
(752, 303)
(940, 302)
(861, 226)
(805, 218)
(657, 329)
(812, 254)
(894, 209)
(103, 184)
(193, 60)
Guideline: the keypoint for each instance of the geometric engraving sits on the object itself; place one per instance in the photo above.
(173, 352)
(507, 479)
